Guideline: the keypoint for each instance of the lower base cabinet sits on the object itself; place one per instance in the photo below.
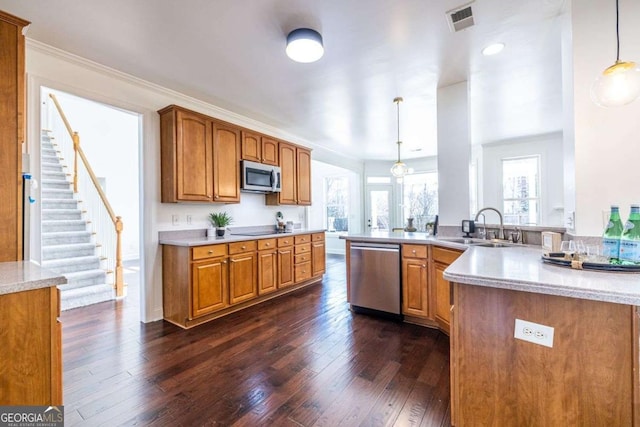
(442, 258)
(30, 348)
(202, 283)
(415, 289)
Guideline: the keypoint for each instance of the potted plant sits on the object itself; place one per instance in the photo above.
(220, 220)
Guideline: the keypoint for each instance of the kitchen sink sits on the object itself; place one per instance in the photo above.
(462, 240)
(494, 245)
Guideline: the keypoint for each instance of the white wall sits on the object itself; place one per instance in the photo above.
(454, 153)
(59, 70)
(317, 219)
(606, 148)
(549, 148)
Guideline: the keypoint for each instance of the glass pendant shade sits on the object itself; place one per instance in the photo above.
(617, 85)
(304, 45)
(399, 169)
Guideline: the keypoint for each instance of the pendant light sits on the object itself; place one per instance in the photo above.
(399, 169)
(620, 83)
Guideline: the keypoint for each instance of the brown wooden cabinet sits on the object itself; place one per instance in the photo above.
(199, 158)
(243, 277)
(442, 258)
(251, 147)
(285, 262)
(12, 134)
(415, 290)
(303, 176)
(270, 151)
(302, 257)
(318, 254)
(31, 348)
(267, 266)
(226, 163)
(209, 286)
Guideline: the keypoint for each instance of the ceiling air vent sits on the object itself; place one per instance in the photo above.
(460, 18)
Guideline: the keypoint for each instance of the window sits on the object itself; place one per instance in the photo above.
(420, 195)
(521, 190)
(337, 203)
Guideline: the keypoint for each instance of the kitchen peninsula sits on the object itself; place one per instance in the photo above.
(589, 373)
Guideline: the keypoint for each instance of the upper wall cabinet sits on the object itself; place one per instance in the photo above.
(12, 113)
(259, 148)
(199, 158)
(295, 165)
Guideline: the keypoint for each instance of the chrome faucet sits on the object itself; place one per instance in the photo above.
(480, 212)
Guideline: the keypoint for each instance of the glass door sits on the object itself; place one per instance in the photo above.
(379, 214)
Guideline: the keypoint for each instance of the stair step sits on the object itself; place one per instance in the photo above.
(64, 225)
(65, 237)
(51, 167)
(80, 279)
(51, 184)
(53, 175)
(58, 214)
(49, 159)
(69, 265)
(80, 297)
(57, 193)
(72, 250)
(59, 204)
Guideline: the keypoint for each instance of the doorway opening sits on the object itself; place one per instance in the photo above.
(89, 208)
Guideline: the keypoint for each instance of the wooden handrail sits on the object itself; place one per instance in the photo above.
(116, 220)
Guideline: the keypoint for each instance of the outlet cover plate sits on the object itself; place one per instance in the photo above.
(534, 333)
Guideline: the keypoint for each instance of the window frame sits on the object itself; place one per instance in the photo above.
(326, 205)
(538, 185)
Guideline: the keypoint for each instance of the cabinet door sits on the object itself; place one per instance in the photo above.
(209, 286)
(226, 163)
(414, 287)
(443, 299)
(269, 151)
(285, 267)
(287, 195)
(267, 272)
(304, 176)
(194, 171)
(317, 258)
(243, 283)
(251, 147)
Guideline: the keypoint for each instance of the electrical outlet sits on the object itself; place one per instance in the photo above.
(188, 219)
(534, 332)
(175, 219)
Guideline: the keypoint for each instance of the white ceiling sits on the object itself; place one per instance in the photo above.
(231, 54)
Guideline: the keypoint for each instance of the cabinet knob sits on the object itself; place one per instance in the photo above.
(424, 266)
(224, 262)
(413, 251)
(215, 196)
(267, 244)
(244, 247)
(209, 195)
(209, 252)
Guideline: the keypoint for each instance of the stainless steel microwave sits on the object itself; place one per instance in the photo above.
(259, 178)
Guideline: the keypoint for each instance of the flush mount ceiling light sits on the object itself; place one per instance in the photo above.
(493, 49)
(620, 83)
(399, 169)
(304, 45)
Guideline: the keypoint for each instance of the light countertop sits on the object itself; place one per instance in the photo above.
(18, 276)
(228, 238)
(521, 268)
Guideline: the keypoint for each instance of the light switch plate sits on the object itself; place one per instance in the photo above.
(534, 333)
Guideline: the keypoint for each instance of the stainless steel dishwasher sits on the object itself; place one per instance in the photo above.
(374, 276)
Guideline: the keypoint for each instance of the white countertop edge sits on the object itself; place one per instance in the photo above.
(229, 238)
(20, 276)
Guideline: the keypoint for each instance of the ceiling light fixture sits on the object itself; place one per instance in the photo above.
(304, 45)
(493, 49)
(620, 83)
(399, 169)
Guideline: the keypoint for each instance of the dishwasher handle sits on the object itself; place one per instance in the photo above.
(375, 247)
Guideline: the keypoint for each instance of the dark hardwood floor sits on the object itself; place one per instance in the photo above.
(301, 360)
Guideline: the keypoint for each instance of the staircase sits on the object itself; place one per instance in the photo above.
(67, 246)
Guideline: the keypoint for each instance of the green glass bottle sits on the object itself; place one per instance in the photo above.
(630, 240)
(612, 235)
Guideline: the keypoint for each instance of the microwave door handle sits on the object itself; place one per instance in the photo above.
(273, 179)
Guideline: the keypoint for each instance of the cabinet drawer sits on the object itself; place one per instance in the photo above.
(445, 256)
(302, 249)
(285, 241)
(317, 237)
(239, 247)
(302, 271)
(414, 251)
(265, 244)
(209, 251)
(303, 238)
(299, 259)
